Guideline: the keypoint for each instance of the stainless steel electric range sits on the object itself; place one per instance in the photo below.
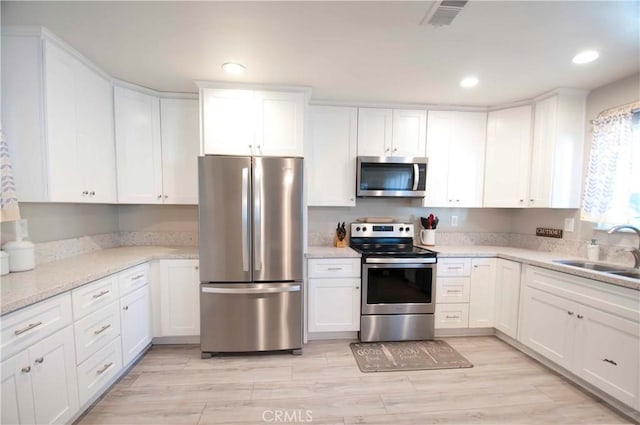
(398, 283)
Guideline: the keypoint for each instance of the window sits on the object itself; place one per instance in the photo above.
(612, 187)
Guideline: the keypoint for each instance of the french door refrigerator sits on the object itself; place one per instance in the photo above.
(250, 232)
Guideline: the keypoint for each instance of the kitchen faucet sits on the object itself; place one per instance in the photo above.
(634, 251)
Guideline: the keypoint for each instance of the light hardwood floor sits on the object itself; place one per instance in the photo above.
(173, 385)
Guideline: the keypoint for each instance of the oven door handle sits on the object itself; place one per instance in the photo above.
(400, 260)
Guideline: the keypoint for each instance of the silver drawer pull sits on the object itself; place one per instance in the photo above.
(453, 317)
(137, 277)
(40, 360)
(580, 316)
(334, 268)
(104, 368)
(101, 294)
(570, 313)
(610, 361)
(26, 369)
(454, 267)
(28, 328)
(104, 328)
(454, 291)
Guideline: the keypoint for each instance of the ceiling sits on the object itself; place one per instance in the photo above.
(351, 51)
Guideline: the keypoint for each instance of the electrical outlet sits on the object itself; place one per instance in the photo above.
(569, 224)
(454, 221)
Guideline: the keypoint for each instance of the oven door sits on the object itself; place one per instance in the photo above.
(395, 286)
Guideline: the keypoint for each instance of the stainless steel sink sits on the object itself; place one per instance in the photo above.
(591, 266)
(603, 268)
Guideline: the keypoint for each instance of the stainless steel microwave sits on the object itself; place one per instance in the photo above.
(389, 176)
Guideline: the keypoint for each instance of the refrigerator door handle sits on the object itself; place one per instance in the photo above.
(257, 208)
(245, 219)
(416, 176)
(209, 290)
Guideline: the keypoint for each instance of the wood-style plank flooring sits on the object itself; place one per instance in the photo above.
(173, 385)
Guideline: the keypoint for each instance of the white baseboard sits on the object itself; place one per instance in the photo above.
(191, 339)
(318, 336)
(442, 333)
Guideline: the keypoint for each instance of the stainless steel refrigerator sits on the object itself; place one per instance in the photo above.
(250, 230)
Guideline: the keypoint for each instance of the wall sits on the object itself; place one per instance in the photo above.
(158, 218)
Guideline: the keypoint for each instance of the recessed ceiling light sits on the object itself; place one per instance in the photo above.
(585, 57)
(469, 82)
(233, 68)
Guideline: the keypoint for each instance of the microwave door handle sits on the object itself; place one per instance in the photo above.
(416, 176)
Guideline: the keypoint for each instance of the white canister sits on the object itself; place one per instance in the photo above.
(428, 236)
(4, 268)
(21, 255)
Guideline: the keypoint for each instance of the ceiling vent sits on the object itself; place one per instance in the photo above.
(443, 12)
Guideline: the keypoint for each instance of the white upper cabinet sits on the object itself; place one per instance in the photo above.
(58, 121)
(158, 144)
(331, 154)
(558, 144)
(391, 132)
(180, 149)
(455, 149)
(508, 157)
(139, 147)
(248, 122)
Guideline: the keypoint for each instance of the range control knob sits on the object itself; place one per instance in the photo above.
(357, 229)
(406, 229)
(364, 229)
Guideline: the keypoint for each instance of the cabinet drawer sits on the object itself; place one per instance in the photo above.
(452, 316)
(454, 267)
(133, 278)
(25, 327)
(334, 267)
(97, 371)
(96, 330)
(452, 289)
(93, 296)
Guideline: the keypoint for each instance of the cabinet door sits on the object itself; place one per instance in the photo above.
(374, 131)
(138, 146)
(466, 159)
(452, 290)
(135, 322)
(179, 297)
(544, 137)
(228, 121)
(483, 277)
(95, 138)
(180, 148)
(607, 353)
(452, 316)
(409, 133)
(65, 181)
(507, 299)
(279, 123)
(17, 398)
(507, 166)
(334, 305)
(53, 375)
(439, 130)
(332, 156)
(547, 325)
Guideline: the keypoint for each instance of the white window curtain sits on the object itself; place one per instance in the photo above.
(8, 200)
(610, 187)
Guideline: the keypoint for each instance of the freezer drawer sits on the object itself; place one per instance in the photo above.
(250, 317)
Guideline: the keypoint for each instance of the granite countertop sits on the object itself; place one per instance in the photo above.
(21, 289)
(534, 258)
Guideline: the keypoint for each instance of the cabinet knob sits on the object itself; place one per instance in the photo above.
(386, 150)
(166, 196)
(580, 316)
(26, 369)
(357, 287)
(570, 313)
(159, 196)
(351, 199)
(85, 192)
(250, 146)
(457, 200)
(197, 267)
(92, 193)
(521, 200)
(532, 200)
(395, 149)
(40, 360)
(450, 200)
(126, 307)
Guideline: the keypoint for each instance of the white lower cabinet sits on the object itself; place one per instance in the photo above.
(135, 319)
(334, 294)
(483, 278)
(588, 328)
(39, 384)
(452, 316)
(179, 298)
(96, 330)
(507, 296)
(98, 370)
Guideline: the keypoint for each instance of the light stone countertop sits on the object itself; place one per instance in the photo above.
(534, 258)
(331, 252)
(21, 289)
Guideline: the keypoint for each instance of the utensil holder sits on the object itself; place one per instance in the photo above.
(339, 243)
(428, 237)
